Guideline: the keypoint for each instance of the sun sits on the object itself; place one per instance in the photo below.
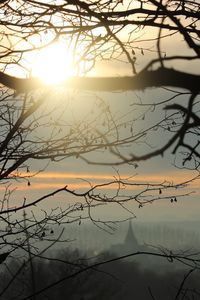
(53, 64)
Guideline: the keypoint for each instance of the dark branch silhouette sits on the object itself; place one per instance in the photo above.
(145, 79)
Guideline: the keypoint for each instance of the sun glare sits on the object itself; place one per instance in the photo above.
(53, 64)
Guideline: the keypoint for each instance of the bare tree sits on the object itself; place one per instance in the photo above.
(114, 31)
(136, 35)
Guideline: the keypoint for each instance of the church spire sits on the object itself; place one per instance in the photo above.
(130, 239)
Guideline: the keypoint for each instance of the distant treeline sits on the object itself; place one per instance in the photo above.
(123, 279)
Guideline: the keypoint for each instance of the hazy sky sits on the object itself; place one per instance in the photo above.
(76, 174)
(78, 106)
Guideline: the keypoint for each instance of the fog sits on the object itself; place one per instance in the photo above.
(81, 265)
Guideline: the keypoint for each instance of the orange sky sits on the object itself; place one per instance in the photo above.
(55, 180)
(47, 182)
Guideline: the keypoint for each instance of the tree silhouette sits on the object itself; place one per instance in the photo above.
(133, 35)
(113, 30)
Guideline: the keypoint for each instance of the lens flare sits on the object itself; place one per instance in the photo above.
(53, 64)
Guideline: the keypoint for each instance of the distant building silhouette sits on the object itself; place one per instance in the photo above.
(129, 245)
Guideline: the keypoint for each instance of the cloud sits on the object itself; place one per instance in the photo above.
(55, 180)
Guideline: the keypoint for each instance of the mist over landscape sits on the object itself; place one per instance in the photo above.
(140, 275)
